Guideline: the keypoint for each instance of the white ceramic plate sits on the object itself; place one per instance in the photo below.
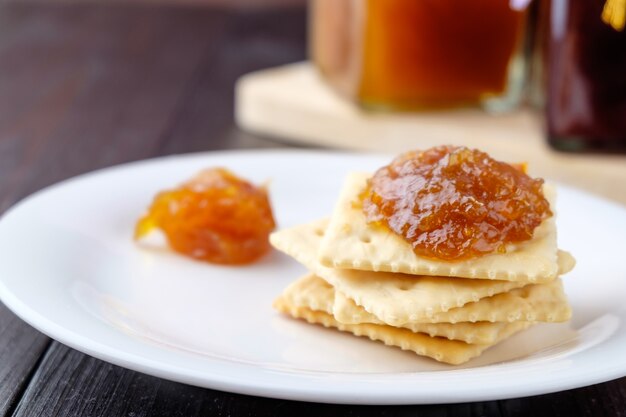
(69, 267)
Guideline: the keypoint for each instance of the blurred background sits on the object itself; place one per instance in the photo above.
(87, 84)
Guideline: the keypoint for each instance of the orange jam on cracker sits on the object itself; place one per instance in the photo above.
(215, 217)
(455, 203)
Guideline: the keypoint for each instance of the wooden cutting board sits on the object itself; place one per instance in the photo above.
(292, 103)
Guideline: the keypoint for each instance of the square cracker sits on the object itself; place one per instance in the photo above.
(316, 294)
(453, 352)
(351, 243)
(394, 298)
(535, 302)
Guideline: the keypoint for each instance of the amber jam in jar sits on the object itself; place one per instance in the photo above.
(415, 54)
(455, 203)
(215, 217)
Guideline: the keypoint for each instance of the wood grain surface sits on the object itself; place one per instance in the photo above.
(69, 383)
(21, 349)
(87, 86)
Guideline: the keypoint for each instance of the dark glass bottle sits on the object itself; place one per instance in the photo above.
(586, 74)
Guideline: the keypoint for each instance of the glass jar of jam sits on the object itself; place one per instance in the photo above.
(421, 54)
(585, 45)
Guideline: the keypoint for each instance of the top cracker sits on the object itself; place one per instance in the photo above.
(350, 243)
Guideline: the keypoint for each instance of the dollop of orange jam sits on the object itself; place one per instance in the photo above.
(454, 203)
(216, 217)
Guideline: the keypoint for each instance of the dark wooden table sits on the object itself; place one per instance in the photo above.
(88, 86)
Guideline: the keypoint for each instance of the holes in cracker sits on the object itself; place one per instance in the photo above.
(405, 286)
(319, 231)
(365, 238)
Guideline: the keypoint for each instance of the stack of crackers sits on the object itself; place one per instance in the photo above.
(368, 281)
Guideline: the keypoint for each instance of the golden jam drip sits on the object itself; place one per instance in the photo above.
(216, 217)
(455, 203)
